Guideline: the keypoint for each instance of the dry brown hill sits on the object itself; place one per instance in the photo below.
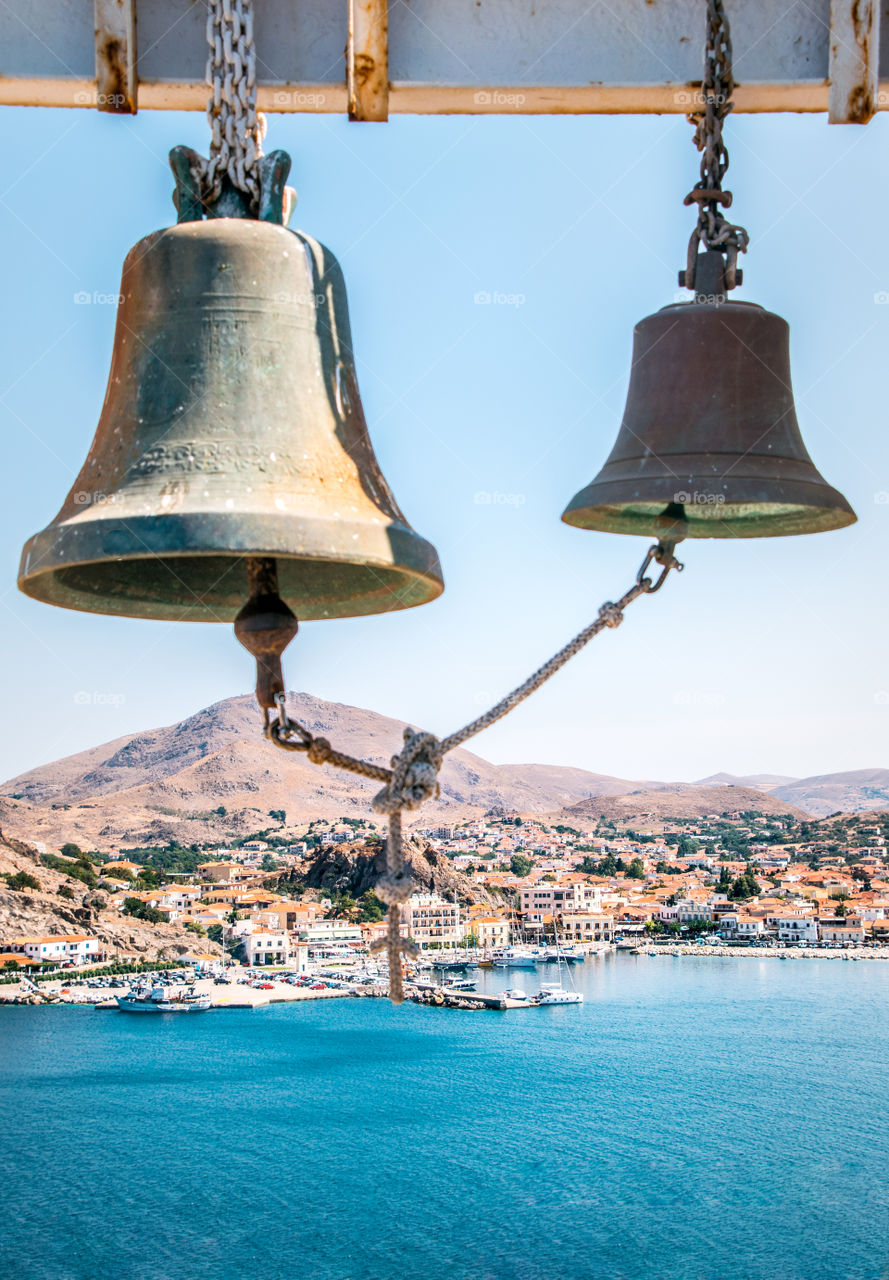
(168, 783)
(677, 801)
(27, 912)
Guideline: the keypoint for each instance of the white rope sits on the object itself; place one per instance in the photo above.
(412, 778)
(237, 129)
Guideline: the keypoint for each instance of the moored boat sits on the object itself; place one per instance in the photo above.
(555, 993)
(158, 1000)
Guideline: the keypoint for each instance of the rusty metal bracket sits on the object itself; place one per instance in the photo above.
(854, 61)
(367, 60)
(117, 85)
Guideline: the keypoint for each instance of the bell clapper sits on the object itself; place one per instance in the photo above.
(265, 626)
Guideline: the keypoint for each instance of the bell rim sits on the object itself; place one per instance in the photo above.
(225, 536)
(821, 510)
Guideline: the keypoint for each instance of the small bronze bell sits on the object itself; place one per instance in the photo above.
(232, 428)
(709, 446)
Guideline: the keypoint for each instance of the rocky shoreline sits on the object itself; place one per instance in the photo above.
(768, 953)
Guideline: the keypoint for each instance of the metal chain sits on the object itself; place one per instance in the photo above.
(236, 127)
(412, 777)
(713, 230)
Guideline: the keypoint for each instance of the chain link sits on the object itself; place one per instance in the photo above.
(236, 127)
(714, 231)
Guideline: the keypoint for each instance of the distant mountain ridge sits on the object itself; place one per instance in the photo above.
(213, 775)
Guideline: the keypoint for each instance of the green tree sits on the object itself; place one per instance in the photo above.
(371, 910)
(140, 910)
(341, 904)
(70, 850)
(268, 863)
(22, 880)
(687, 846)
(214, 932)
(520, 864)
(636, 870)
(744, 886)
(280, 815)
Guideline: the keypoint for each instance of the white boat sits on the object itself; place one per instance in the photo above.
(555, 993)
(515, 993)
(460, 984)
(559, 953)
(158, 1000)
(517, 958)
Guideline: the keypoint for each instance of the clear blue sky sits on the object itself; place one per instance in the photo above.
(763, 656)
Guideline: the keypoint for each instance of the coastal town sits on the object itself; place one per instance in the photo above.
(286, 898)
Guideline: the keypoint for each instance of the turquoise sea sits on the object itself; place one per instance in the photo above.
(696, 1119)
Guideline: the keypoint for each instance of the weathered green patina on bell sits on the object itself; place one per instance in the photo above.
(232, 428)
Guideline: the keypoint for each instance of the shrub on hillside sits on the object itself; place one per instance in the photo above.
(22, 880)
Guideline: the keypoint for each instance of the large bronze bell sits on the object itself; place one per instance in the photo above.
(232, 428)
(709, 446)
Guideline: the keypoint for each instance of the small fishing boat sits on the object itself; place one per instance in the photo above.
(158, 1000)
(460, 984)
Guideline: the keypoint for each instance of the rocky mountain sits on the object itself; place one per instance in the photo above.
(853, 792)
(676, 801)
(213, 776)
(356, 868)
(762, 781)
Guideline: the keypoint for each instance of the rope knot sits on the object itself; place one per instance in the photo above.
(394, 887)
(319, 751)
(414, 774)
(611, 615)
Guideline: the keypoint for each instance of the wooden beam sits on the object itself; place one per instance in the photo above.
(853, 60)
(117, 85)
(367, 60)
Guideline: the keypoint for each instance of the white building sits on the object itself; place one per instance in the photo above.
(267, 946)
(430, 918)
(796, 929)
(68, 948)
(541, 899)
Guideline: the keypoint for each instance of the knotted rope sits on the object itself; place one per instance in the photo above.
(412, 777)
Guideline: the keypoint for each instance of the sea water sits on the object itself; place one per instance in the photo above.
(695, 1119)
